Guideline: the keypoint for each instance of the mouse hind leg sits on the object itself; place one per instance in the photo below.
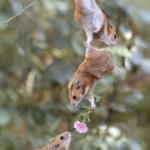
(117, 70)
(89, 35)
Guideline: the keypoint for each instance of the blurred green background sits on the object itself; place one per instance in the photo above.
(39, 53)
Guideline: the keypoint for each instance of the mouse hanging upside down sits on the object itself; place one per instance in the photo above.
(97, 63)
(94, 22)
(60, 142)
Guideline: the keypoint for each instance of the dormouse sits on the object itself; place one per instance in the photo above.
(94, 22)
(97, 63)
(60, 142)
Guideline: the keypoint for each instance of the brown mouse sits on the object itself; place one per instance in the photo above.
(97, 63)
(94, 22)
(60, 142)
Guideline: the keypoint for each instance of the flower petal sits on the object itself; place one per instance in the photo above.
(80, 127)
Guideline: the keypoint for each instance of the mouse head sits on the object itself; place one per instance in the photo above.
(107, 34)
(111, 36)
(76, 92)
(60, 142)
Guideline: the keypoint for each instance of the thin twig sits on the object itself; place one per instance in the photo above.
(19, 12)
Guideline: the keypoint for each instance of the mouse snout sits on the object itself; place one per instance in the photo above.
(73, 103)
(68, 133)
(74, 97)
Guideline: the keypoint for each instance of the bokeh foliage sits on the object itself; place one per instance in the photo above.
(39, 53)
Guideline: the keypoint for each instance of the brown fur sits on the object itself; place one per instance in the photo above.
(80, 11)
(110, 30)
(96, 64)
(57, 144)
(85, 15)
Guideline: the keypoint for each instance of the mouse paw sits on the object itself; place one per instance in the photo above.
(93, 106)
(86, 44)
(117, 70)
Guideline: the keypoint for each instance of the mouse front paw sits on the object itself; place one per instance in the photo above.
(117, 70)
(87, 45)
(93, 106)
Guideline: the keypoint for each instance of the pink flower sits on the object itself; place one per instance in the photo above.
(80, 127)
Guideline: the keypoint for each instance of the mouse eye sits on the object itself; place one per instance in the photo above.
(74, 97)
(78, 85)
(61, 137)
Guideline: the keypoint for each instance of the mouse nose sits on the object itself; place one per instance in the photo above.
(74, 97)
(68, 134)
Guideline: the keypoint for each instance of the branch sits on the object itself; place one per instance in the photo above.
(24, 9)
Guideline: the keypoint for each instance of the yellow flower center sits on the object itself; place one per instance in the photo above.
(81, 126)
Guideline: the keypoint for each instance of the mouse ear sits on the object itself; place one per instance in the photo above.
(70, 85)
(109, 26)
(86, 90)
(50, 141)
